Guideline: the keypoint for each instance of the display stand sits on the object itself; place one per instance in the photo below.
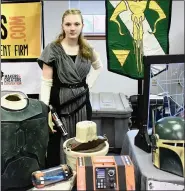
(142, 139)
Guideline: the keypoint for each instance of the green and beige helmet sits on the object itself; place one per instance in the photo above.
(168, 145)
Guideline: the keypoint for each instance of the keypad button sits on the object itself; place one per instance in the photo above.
(111, 179)
(111, 185)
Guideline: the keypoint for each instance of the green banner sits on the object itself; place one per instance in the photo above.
(136, 28)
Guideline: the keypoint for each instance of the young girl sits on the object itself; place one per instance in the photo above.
(66, 79)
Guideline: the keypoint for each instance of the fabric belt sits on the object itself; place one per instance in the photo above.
(76, 85)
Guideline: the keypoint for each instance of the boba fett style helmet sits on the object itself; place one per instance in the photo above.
(168, 145)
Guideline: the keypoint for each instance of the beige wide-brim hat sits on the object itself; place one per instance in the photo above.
(86, 131)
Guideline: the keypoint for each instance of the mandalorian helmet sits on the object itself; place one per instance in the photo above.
(168, 145)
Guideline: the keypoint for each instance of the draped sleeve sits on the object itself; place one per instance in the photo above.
(47, 56)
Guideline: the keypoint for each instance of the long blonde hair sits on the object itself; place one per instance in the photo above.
(84, 49)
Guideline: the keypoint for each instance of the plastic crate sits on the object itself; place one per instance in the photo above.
(111, 112)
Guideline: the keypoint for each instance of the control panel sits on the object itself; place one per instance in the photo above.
(105, 178)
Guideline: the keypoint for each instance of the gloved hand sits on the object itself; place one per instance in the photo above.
(50, 123)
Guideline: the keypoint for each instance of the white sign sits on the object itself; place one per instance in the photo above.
(21, 76)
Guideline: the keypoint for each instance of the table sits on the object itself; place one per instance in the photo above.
(147, 176)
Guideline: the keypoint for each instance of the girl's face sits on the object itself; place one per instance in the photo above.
(72, 26)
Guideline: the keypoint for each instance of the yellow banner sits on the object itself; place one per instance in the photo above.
(20, 30)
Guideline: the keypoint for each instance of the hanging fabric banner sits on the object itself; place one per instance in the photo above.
(21, 30)
(136, 28)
